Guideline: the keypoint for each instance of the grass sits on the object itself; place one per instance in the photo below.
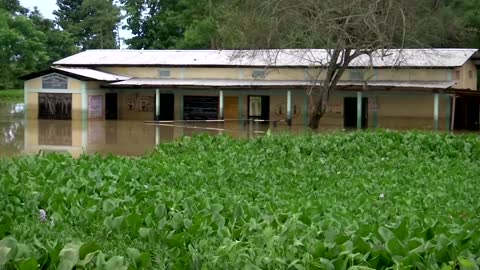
(8, 96)
(381, 200)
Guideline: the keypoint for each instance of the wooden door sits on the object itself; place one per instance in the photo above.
(231, 108)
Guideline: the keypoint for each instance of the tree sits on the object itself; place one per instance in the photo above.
(183, 24)
(469, 12)
(59, 44)
(28, 42)
(92, 23)
(13, 7)
(22, 48)
(346, 29)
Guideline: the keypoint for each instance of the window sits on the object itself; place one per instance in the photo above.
(164, 73)
(470, 74)
(258, 74)
(457, 75)
(357, 75)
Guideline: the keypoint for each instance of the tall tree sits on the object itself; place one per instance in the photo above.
(28, 42)
(22, 48)
(185, 24)
(469, 12)
(13, 7)
(92, 23)
(59, 43)
(347, 29)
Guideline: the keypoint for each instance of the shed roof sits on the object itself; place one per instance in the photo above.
(78, 73)
(93, 74)
(433, 58)
(205, 83)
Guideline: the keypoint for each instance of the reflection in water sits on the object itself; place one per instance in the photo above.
(55, 133)
(129, 138)
(120, 137)
(11, 129)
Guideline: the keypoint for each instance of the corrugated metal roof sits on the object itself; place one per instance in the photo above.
(270, 83)
(278, 58)
(93, 74)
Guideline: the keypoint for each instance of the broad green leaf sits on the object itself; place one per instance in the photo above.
(28, 264)
(69, 256)
(115, 263)
(4, 255)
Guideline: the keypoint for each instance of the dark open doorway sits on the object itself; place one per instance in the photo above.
(259, 107)
(111, 108)
(467, 112)
(55, 106)
(350, 112)
(200, 107)
(167, 107)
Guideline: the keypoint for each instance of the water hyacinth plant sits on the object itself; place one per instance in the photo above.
(366, 200)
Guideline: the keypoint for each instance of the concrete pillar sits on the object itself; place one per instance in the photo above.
(375, 111)
(435, 111)
(221, 103)
(240, 107)
(289, 107)
(84, 135)
(305, 110)
(157, 135)
(359, 109)
(449, 112)
(157, 104)
(84, 97)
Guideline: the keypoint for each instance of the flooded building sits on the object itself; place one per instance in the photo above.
(414, 88)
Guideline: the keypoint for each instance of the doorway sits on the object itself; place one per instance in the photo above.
(167, 107)
(200, 107)
(111, 106)
(259, 107)
(231, 108)
(350, 112)
(55, 106)
(467, 112)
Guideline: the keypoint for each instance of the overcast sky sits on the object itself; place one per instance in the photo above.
(47, 7)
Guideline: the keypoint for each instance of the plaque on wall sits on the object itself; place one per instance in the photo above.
(95, 107)
(141, 103)
(54, 81)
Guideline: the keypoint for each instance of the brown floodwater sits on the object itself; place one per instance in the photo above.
(20, 136)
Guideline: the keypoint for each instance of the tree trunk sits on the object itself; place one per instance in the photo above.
(319, 110)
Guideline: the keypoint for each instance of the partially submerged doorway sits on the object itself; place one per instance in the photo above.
(55, 106)
(259, 107)
(167, 107)
(111, 106)
(467, 113)
(350, 112)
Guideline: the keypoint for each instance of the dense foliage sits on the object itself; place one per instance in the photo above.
(366, 199)
(92, 23)
(181, 24)
(28, 43)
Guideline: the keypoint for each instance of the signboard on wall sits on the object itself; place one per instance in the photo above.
(95, 107)
(141, 103)
(54, 81)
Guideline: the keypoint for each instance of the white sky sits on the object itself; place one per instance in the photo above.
(47, 7)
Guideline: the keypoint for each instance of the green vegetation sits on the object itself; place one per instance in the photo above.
(211, 24)
(368, 199)
(11, 95)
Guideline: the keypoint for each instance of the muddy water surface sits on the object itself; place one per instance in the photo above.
(130, 138)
